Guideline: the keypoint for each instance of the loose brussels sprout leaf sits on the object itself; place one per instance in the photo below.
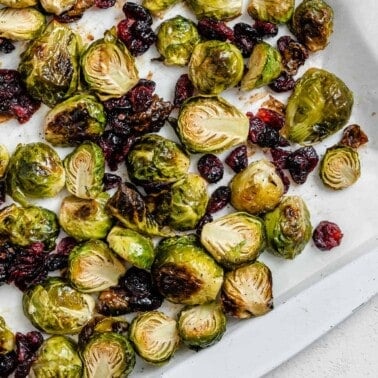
(57, 357)
(211, 124)
(176, 39)
(35, 170)
(276, 11)
(133, 247)
(201, 326)
(81, 117)
(184, 273)
(234, 239)
(108, 67)
(55, 307)
(92, 267)
(50, 64)
(21, 24)
(264, 66)
(4, 160)
(156, 159)
(154, 336)
(312, 24)
(288, 227)
(215, 66)
(257, 189)
(85, 169)
(216, 9)
(85, 219)
(320, 105)
(108, 354)
(57, 6)
(18, 3)
(247, 291)
(158, 7)
(7, 339)
(26, 225)
(340, 167)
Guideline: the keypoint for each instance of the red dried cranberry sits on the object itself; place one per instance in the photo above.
(104, 4)
(137, 281)
(140, 96)
(293, 53)
(214, 29)
(122, 102)
(183, 90)
(111, 181)
(353, 136)
(279, 157)
(207, 218)
(284, 178)
(210, 168)
(245, 38)
(6, 45)
(8, 362)
(219, 199)
(301, 162)
(265, 29)
(327, 235)
(137, 12)
(58, 259)
(268, 138)
(237, 160)
(271, 118)
(256, 128)
(283, 83)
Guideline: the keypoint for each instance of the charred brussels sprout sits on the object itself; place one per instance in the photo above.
(216, 9)
(312, 24)
(50, 64)
(340, 167)
(257, 189)
(57, 357)
(158, 7)
(19, 3)
(4, 160)
(81, 117)
(55, 307)
(320, 105)
(247, 291)
(276, 11)
(234, 239)
(35, 171)
(184, 272)
(57, 6)
(7, 338)
(288, 227)
(108, 67)
(154, 336)
(85, 169)
(215, 66)
(211, 124)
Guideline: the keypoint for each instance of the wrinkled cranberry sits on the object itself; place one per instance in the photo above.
(265, 29)
(327, 235)
(293, 53)
(8, 363)
(183, 90)
(111, 181)
(58, 259)
(104, 4)
(237, 159)
(256, 128)
(140, 96)
(210, 168)
(207, 218)
(283, 83)
(279, 157)
(137, 12)
(214, 29)
(6, 45)
(301, 162)
(271, 118)
(269, 137)
(218, 199)
(122, 102)
(137, 281)
(245, 38)
(353, 136)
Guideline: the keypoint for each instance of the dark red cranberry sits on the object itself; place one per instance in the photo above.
(104, 4)
(301, 162)
(6, 45)
(271, 118)
(327, 235)
(8, 363)
(237, 159)
(207, 218)
(137, 12)
(279, 157)
(58, 259)
(245, 38)
(214, 29)
(111, 181)
(183, 90)
(137, 281)
(293, 53)
(210, 168)
(269, 137)
(353, 136)
(140, 96)
(284, 178)
(218, 199)
(256, 128)
(265, 29)
(122, 102)
(283, 83)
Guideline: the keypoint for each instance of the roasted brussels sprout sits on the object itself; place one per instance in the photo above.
(184, 273)
(201, 326)
(312, 24)
(211, 124)
(154, 336)
(92, 267)
(257, 189)
(158, 7)
(4, 160)
(85, 169)
(215, 66)
(247, 291)
(216, 9)
(234, 239)
(108, 354)
(35, 171)
(340, 167)
(80, 117)
(320, 105)
(264, 66)
(133, 247)
(50, 64)
(55, 307)
(57, 357)
(276, 11)
(7, 338)
(108, 67)
(57, 7)
(288, 227)
(19, 3)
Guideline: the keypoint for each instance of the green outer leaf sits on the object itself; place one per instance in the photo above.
(276, 11)
(216, 9)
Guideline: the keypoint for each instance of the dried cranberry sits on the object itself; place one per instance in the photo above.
(301, 162)
(353, 136)
(59, 258)
(137, 281)
(104, 4)
(111, 181)
(183, 90)
(293, 53)
(137, 12)
(207, 218)
(245, 38)
(140, 96)
(283, 83)
(6, 45)
(327, 235)
(237, 160)
(122, 102)
(284, 178)
(8, 362)
(214, 29)
(269, 137)
(265, 29)
(279, 157)
(256, 128)
(271, 118)
(210, 168)
(149, 303)
(218, 199)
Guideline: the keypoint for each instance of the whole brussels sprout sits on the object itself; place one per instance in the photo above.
(158, 7)
(19, 3)
(55, 307)
(57, 7)
(7, 338)
(320, 105)
(215, 66)
(276, 11)
(210, 124)
(4, 160)
(288, 227)
(216, 9)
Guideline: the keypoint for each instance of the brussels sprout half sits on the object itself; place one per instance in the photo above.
(158, 7)
(4, 160)
(57, 6)
(216, 9)
(19, 3)
(276, 11)
(7, 338)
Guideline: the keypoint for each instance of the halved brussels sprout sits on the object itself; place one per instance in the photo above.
(92, 267)
(234, 239)
(57, 357)
(50, 64)
(19, 3)
(288, 227)
(108, 354)
(210, 124)
(7, 338)
(216, 9)
(85, 219)
(57, 6)
(55, 307)
(320, 105)
(108, 67)
(276, 11)
(201, 326)
(133, 247)
(4, 160)
(184, 273)
(257, 189)
(154, 336)
(247, 291)
(340, 167)
(80, 117)
(264, 66)
(215, 66)
(85, 169)
(158, 7)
